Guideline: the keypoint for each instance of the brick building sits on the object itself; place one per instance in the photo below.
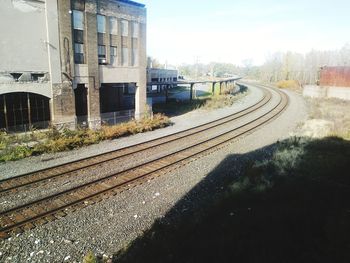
(335, 76)
(71, 62)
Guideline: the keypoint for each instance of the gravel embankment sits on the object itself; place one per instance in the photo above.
(108, 226)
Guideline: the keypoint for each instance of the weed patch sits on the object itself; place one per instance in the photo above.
(15, 147)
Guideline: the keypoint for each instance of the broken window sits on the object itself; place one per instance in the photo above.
(101, 24)
(113, 26)
(125, 28)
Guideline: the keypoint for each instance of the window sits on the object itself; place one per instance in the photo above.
(16, 76)
(125, 56)
(78, 36)
(125, 28)
(101, 24)
(36, 76)
(78, 20)
(78, 53)
(78, 26)
(114, 55)
(113, 26)
(101, 54)
(135, 30)
(78, 5)
(134, 56)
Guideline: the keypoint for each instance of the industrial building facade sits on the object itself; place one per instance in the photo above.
(160, 75)
(71, 62)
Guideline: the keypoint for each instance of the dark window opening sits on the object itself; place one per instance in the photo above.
(78, 5)
(81, 103)
(20, 111)
(100, 39)
(36, 76)
(112, 98)
(78, 58)
(16, 76)
(78, 36)
(175, 79)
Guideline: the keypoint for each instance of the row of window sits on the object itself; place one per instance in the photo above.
(114, 58)
(78, 27)
(78, 24)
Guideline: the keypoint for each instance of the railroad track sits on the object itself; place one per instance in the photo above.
(74, 168)
(55, 206)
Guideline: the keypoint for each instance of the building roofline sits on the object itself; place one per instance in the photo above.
(130, 3)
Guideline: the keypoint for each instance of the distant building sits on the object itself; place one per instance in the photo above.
(333, 82)
(334, 76)
(70, 61)
(160, 75)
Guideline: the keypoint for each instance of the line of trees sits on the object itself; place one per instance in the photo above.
(303, 68)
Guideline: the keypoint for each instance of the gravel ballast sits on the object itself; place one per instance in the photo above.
(108, 226)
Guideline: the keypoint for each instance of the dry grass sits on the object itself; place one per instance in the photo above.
(288, 84)
(221, 101)
(14, 147)
(334, 111)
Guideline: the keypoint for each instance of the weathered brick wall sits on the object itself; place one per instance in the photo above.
(335, 76)
(63, 104)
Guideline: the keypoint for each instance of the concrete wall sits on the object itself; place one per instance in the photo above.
(326, 92)
(23, 37)
(161, 73)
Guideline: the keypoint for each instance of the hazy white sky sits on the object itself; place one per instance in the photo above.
(234, 30)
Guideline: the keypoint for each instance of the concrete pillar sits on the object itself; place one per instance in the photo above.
(140, 96)
(94, 118)
(213, 88)
(167, 93)
(62, 103)
(220, 87)
(191, 91)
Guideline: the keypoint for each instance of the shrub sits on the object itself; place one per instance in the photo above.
(90, 258)
(288, 84)
(15, 153)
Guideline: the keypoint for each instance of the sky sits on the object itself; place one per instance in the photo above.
(241, 31)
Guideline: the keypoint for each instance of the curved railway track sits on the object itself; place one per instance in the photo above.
(75, 167)
(49, 208)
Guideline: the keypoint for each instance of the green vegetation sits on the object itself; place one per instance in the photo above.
(14, 147)
(90, 258)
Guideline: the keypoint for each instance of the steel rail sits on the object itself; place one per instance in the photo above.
(25, 180)
(51, 207)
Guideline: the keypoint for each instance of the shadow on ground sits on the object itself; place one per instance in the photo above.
(303, 216)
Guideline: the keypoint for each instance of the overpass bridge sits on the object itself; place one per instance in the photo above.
(169, 84)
